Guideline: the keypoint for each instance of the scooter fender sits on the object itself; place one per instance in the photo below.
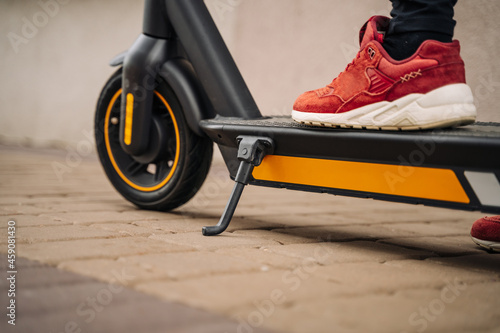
(118, 59)
(180, 75)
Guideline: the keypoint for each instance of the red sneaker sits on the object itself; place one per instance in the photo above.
(486, 233)
(427, 90)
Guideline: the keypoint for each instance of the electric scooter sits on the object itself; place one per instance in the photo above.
(178, 91)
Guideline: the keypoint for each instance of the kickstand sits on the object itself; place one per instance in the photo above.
(251, 152)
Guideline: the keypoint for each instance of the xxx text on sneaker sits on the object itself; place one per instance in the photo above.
(427, 90)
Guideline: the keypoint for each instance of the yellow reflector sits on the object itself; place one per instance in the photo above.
(129, 116)
(400, 180)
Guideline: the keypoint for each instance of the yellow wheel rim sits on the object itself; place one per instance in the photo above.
(112, 158)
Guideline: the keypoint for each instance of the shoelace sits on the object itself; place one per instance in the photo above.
(349, 65)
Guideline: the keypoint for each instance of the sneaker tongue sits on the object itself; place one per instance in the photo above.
(374, 29)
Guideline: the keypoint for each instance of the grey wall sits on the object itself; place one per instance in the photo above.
(50, 81)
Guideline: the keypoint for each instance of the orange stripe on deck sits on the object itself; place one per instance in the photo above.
(400, 180)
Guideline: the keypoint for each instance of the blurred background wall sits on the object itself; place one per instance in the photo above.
(54, 55)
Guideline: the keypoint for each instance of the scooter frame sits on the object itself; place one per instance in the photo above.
(174, 31)
(181, 44)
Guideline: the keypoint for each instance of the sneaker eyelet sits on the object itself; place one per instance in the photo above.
(371, 53)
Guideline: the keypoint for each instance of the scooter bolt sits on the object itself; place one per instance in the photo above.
(114, 121)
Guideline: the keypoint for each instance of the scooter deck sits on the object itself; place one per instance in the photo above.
(454, 168)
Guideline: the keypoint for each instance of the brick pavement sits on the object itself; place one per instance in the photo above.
(52, 300)
(289, 262)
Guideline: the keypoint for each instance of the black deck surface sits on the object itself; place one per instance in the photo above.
(475, 146)
(480, 129)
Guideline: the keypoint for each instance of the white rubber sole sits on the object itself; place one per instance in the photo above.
(491, 246)
(448, 106)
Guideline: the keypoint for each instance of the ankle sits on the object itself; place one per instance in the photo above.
(404, 45)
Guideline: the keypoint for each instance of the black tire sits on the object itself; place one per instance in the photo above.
(166, 183)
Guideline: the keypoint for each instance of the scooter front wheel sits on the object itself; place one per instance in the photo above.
(177, 172)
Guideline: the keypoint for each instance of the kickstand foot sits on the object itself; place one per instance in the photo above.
(228, 212)
(251, 152)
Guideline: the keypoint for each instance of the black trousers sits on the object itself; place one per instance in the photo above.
(427, 16)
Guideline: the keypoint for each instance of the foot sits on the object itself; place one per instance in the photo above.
(486, 233)
(425, 91)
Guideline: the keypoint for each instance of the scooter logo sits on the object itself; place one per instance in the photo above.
(31, 28)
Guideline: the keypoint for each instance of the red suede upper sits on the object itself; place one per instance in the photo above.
(487, 228)
(374, 76)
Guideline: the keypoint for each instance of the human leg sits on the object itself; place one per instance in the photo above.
(416, 21)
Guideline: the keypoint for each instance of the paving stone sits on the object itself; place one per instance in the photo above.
(394, 276)
(346, 233)
(278, 236)
(395, 214)
(145, 315)
(66, 207)
(410, 213)
(57, 233)
(308, 220)
(33, 274)
(98, 217)
(458, 228)
(125, 229)
(369, 210)
(62, 301)
(188, 265)
(21, 263)
(56, 252)
(151, 215)
(22, 209)
(106, 269)
(474, 309)
(193, 223)
(307, 283)
(69, 295)
(442, 246)
(332, 263)
(359, 251)
(52, 189)
(247, 209)
(200, 242)
(23, 221)
(41, 276)
(266, 204)
(63, 198)
(480, 262)
(298, 202)
(225, 292)
(267, 259)
(400, 312)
